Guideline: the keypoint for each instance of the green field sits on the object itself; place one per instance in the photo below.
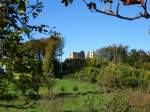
(70, 84)
(66, 99)
(68, 95)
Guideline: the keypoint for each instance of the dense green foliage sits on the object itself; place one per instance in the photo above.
(50, 54)
(27, 74)
(71, 66)
(121, 76)
(23, 72)
(86, 99)
(31, 65)
(23, 61)
(114, 67)
(114, 53)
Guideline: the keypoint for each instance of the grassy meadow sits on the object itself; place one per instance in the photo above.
(68, 95)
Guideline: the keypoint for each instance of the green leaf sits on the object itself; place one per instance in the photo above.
(67, 2)
(21, 7)
(91, 5)
(16, 75)
(27, 75)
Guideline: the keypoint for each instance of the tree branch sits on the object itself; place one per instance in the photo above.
(115, 13)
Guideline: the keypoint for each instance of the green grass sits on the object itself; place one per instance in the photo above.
(69, 85)
(71, 102)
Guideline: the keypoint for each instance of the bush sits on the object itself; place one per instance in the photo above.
(32, 94)
(62, 89)
(132, 82)
(95, 62)
(88, 74)
(72, 65)
(121, 76)
(93, 104)
(146, 75)
(146, 65)
(8, 90)
(75, 88)
(119, 103)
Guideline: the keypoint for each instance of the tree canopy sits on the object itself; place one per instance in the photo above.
(24, 71)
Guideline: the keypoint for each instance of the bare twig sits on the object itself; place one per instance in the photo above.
(145, 14)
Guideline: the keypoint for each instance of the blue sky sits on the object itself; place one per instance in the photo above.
(84, 30)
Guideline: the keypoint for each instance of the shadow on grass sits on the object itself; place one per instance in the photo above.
(21, 106)
(70, 95)
(76, 93)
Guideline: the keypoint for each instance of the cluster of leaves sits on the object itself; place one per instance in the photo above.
(53, 50)
(114, 68)
(67, 2)
(24, 71)
(114, 53)
(120, 102)
(87, 74)
(92, 104)
(122, 76)
(137, 58)
(96, 62)
(83, 69)
(120, 54)
(8, 90)
(72, 66)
